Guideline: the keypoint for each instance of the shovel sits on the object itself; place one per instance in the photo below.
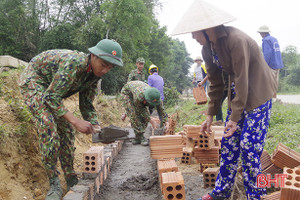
(112, 133)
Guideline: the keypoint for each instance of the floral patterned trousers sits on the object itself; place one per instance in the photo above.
(248, 143)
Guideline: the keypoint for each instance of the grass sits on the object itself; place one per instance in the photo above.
(284, 124)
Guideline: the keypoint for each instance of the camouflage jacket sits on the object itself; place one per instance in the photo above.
(135, 76)
(132, 97)
(60, 74)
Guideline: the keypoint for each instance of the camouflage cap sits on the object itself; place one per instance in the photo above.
(140, 60)
(152, 96)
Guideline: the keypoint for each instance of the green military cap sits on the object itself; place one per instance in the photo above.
(140, 60)
(108, 50)
(152, 96)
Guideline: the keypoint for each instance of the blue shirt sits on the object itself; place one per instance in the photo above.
(271, 51)
(157, 81)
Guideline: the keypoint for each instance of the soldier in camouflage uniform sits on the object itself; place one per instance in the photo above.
(136, 96)
(138, 74)
(53, 76)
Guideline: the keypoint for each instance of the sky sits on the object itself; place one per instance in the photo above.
(282, 17)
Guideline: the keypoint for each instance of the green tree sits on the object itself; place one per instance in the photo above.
(291, 71)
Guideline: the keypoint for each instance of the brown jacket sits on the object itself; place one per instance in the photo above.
(240, 56)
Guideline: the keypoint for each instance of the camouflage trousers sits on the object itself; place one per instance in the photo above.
(138, 126)
(56, 135)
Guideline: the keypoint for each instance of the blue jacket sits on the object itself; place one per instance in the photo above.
(271, 51)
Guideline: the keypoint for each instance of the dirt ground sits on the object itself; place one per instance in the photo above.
(134, 176)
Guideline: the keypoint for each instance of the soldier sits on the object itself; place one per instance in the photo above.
(138, 74)
(53, 76)
(136, 96)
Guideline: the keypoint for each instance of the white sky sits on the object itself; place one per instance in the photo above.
(282, 17)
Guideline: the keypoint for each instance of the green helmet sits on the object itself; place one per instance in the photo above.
(108, 50)
(140, 60)
(152, 96)
(263, 29)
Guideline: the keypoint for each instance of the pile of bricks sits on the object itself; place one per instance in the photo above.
(96, 168)
(166, 146)
(205, 149)
(285, 157)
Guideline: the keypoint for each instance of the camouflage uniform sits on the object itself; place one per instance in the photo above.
(135, 76)
(49, 78)
(132, 97)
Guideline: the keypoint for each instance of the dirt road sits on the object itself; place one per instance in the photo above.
(291, 99)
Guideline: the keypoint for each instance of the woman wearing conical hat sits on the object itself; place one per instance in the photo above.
(250, 99)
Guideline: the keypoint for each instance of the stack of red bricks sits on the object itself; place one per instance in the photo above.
(96, 168)
(203, 146)
(166, 146)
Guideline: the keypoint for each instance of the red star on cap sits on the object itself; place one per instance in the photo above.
(114, 53)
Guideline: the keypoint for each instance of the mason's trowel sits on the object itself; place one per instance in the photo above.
(112, 133)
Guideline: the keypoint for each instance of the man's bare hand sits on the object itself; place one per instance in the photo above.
(83, 126)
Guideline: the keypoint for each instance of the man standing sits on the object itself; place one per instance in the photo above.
(271, 50)
(136, 96)
(200, 77)
(138, 74)
(155, 80)
(51, 77)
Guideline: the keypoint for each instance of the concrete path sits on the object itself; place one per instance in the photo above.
(290, 99)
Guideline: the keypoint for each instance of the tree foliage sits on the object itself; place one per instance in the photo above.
(291, 72)
(28, 27)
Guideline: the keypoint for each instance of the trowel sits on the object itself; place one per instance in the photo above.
(112, 133)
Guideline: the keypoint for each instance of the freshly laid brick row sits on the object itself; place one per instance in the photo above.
(93, 159)
(285, 157)
(90, 184)
(166, 146)
(173, 186)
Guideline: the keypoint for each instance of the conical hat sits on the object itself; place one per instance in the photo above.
(200, 16)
